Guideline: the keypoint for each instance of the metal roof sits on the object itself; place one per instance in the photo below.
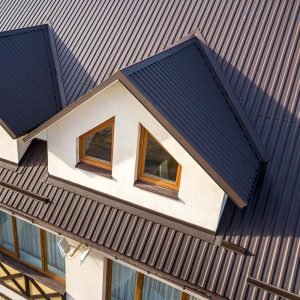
(182, 87)
(29, 88)
(256, 45)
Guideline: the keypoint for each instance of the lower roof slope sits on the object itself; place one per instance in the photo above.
(29, 88)
(180, 84)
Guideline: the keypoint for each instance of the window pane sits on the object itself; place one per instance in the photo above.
(29, 243)
(123, 281)
(154, 289)
(6, 232)
(56, 263)
(99, 145)
(159, 163)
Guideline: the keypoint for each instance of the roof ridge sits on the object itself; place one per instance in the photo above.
(169, 51)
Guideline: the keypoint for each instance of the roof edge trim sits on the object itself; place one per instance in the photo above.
(272, 289)
(7, 129)
(7, 164)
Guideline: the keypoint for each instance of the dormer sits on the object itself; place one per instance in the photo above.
(30, 88)
(179, 143)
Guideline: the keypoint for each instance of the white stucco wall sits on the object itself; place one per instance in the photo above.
(8, 147)
(85, 281)
(11, 149)
(200, 198)
(22, 147)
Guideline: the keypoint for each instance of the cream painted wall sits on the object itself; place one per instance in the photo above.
(8, 147)
(11, 149)
(22, 147)
(85, 281)
(200, 197)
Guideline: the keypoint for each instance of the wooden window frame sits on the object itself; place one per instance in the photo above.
(138, 293)
(43, 245)
(144, 135)
(93, 161)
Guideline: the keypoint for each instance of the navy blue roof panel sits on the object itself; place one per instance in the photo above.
(29, 92)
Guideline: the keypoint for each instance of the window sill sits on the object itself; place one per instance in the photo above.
(93, 169)
(41, 277)
(156, 189)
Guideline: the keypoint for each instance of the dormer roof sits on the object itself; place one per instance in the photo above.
(182, 88)
(30, 90)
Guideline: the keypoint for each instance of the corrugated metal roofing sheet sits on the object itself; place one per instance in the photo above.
(29, 91)
(181, 85)
(256, 43)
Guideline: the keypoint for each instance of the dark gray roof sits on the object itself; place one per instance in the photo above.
(180, 84)
(29, 89)
(256, 44)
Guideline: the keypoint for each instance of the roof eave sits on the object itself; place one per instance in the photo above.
(8, 130)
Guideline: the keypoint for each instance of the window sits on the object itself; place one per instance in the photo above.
(55, 262)
(156, 165)
(29, 241)
(6, 232)
(31, 245)
(96, 146)
(154, 289)
(123, 283)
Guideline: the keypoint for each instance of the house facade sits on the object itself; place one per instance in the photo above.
(158, 163)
